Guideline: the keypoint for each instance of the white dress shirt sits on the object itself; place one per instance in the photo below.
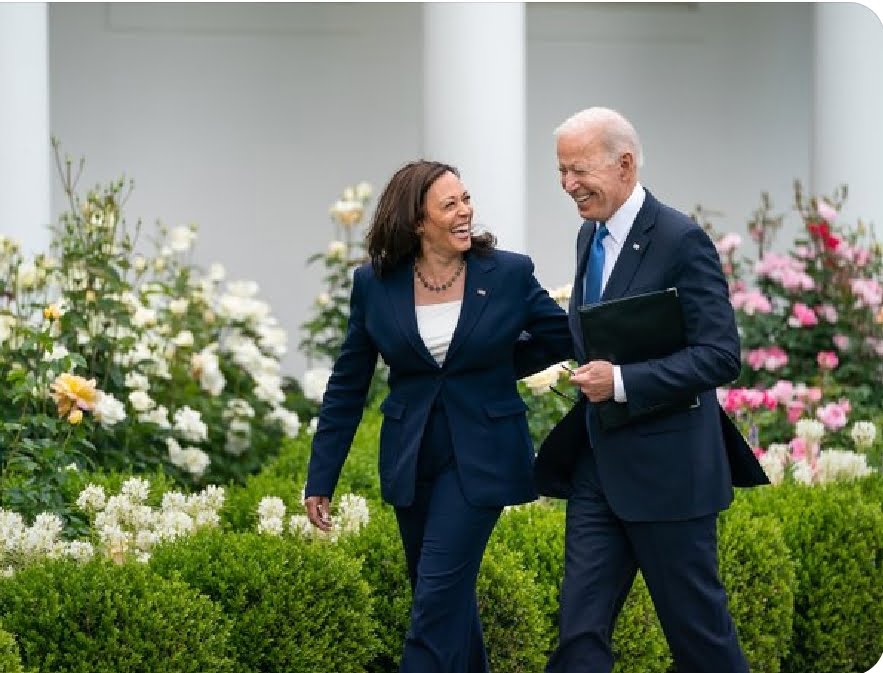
(619, 225)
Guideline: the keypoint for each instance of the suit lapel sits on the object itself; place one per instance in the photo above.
(400, 290)
(636, 244)
(480, 286)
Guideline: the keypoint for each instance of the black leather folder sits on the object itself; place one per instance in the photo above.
(634, 329)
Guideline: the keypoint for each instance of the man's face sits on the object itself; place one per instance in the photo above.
(598, 182)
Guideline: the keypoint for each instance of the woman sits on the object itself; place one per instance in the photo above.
(445, 310)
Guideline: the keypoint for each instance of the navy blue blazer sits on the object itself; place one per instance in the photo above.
(477, 382)
(676, 466)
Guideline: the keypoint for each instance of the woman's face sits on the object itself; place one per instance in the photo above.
(446, 227)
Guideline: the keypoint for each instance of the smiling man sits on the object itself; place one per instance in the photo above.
(645, 496)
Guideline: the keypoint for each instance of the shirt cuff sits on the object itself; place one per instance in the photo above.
(618, 387)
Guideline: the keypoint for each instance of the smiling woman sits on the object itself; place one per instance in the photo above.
(447, 311)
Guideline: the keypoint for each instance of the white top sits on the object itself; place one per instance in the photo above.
(436, 324)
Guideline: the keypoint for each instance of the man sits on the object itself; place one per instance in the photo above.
(646, 495)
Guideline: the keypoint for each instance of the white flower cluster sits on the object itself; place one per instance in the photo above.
(126, 527)
(21, 545)
(352, 515)
(839, 465)
(810, 430)
(830, 465)
(863, 433)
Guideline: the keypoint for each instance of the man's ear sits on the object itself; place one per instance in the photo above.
(627, 164)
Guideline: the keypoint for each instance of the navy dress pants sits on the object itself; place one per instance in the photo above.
(678, 560)
(444, 539)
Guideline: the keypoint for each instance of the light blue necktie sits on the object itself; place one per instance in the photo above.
(595, 267)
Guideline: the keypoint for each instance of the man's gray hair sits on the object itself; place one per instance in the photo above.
(619, 136)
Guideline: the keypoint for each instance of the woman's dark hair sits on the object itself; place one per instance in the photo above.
(402, 204)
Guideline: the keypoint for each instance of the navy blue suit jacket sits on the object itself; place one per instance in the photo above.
(672, 467)
(477, 382)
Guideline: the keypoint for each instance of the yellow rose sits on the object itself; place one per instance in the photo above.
(70, 391)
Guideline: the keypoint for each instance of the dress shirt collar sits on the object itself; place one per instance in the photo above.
(620, 223)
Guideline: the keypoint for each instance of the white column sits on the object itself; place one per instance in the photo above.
(24, 125)
(475, 107)
(848, 125)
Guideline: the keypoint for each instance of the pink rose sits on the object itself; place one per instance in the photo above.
(798, 448)
(756, 358)
(735, 400)
(794, 411)
(832, 415)
(826, 210)
(802, 316)
(827, 360)
(783, 391)
(754, 398)
(841, 341)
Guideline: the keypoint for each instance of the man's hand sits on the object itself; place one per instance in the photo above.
(595, 379)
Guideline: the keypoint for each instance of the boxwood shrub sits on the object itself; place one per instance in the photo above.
(536, 532)
(509, 600)
(10, 661)
(104, 618)
(294, 605)
(835, 536)
(510, 606)
(758, 573)
(379, 547)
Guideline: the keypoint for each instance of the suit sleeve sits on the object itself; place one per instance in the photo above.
(711, 357)
(344, 398)
(546, 338)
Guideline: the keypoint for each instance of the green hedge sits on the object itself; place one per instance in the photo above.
(510, 606)
(509, 599)
(835, 537)
(294, 605)
(379, 547)
(639, 645)
(10, 661)
(103, 618)
(536, 532)
(758, 573)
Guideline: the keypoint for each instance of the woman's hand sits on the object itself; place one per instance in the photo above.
(319, 511)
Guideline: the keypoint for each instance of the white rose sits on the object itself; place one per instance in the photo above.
(181, 238)
(141, 401)
(178, 306)
(314, 383)
(184, 339)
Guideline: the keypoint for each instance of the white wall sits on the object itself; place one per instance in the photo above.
(721, 95)
(849, 108)
(249, 119)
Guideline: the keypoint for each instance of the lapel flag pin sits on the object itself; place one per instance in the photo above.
(481, 291)
(636, 246)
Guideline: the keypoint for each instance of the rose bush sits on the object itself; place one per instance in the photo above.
(117, 359)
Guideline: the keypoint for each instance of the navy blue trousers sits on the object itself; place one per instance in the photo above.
(678, 560)
(444, 539)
